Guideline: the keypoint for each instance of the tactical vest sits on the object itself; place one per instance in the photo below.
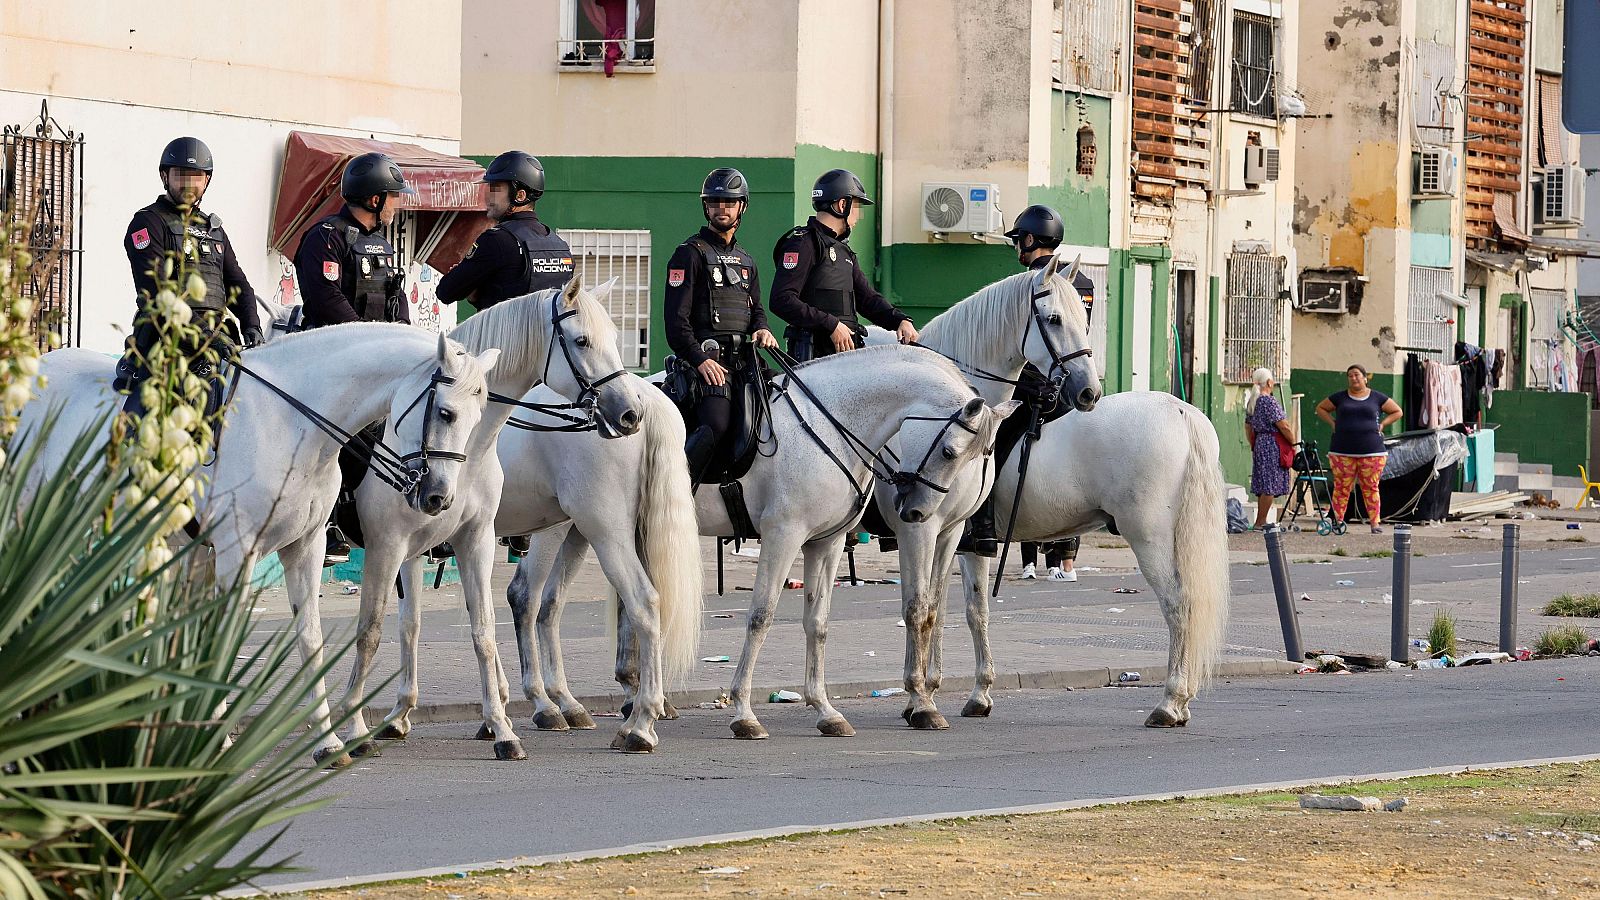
(831, 286)
(203, 244)
(546, 258)
(726, 307)
(376, 290)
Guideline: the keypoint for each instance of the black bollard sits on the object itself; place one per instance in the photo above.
(1400, 629)
(1509, 566)
(1288, 617)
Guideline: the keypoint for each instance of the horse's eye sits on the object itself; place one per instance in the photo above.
(948, 453)
(446, 415)
(582, 341)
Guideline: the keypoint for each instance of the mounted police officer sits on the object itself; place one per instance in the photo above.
(714, 314)
(1036, 234)
(345, 266)
(819, 288)
(175, 225)
(519, 254)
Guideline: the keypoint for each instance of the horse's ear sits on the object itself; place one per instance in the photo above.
(1051, 266)
(604, 290)
(442, 355)
(569, 294)
(488, 358)
(973, 408)
(1002, 410)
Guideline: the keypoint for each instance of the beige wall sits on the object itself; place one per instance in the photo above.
(836, 101)
(291, 65)
(513, 95)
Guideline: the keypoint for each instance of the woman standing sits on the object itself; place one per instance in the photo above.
(1263, 421)
(1358, 415)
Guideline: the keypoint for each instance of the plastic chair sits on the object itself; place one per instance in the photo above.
(1588, 487)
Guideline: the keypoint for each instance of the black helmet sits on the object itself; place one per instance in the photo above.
(1042, 222)
(725, 184)
(520, 169)
(371, 174)
(836, 185)
(187, 153)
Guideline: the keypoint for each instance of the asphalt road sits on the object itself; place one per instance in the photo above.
(435, 800)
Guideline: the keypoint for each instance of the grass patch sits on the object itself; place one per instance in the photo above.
(1339, 551)
(1576, 821)
(1562, 641)
(1442, 633)
(1376, 554)
(1574, 539)
(1581, 605)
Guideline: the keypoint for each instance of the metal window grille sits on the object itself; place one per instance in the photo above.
(601, 255)
(583, 44)
(1254, 75)
(1091, 44)
(1253, 334)
(41, 186)
(1430, 318)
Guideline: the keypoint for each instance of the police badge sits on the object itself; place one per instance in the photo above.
(716, 274)
(833, 254)
(366, 265)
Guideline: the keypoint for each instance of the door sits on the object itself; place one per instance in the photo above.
(1143, 298)
(1183, 353)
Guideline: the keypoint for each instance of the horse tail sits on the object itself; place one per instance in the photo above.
(669, 536)
(1201, 549)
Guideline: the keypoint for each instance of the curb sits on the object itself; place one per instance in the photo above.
(1058, 679)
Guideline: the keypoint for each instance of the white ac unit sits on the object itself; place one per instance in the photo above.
(971, 207)
(1434, 171)
(1260, 164)
(1562, 201)
(1324, 295)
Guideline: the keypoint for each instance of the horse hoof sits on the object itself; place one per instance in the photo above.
(906, 715)
(836, 728)
(1160, 718)
(331, 758)
(976, 710)
(509, 750)
(391, 732)
(669, 712)
(928, 720)
(748, 730)
(485, 733)
(632, 743)
(365, 750)
(579, 719)
(550, 720)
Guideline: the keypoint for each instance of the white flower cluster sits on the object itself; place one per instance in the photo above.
(19, 347)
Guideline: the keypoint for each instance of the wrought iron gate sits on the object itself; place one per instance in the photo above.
(41, 186)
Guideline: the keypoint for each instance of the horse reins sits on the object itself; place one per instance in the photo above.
(588, 391)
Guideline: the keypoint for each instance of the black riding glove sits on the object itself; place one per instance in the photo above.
(253, 337)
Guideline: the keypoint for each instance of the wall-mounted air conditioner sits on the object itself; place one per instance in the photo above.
(968, 207)
(1561, 200)
(1260, 164)
(1434, 172)
(1324, 295)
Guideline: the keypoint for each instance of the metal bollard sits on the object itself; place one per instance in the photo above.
(1400, 627)
(1509, 566)
(1288, 617)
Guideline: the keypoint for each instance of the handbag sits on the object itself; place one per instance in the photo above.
(1285, 450)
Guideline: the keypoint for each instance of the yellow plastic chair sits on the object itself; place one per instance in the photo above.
(1588, 487)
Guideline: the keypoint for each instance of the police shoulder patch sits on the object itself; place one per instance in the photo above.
(471, 250)
(330, 270)
(790, 260)
(141, 238)
(675, 277)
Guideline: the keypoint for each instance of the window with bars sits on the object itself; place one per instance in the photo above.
(1254, 66)
(619, 35)
(41, 187)
(1097, 318)
(600, 255)
(1253, 334)
(1090, 46)
(1429, 317)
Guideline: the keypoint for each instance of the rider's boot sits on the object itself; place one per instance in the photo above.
(700, 447)
(979, 538)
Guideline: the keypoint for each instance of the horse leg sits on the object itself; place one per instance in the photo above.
(519, 595)
(378, 571)
(975, 586)
(302, 570)
(474, 560)
(822, 563)
(639, 653)
(1159, 564)
(938, 589)
(553, 599)
(778, 548)
(917, 546)
(410, 611)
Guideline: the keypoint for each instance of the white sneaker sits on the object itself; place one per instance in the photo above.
(1028, 573)
(1060, 575)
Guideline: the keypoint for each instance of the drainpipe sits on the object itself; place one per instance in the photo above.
(885, 235)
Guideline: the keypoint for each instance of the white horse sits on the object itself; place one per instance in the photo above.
(828, 425)
(1032, 316)
(275, 475)
(561, 337)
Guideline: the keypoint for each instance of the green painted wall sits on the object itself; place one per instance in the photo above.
(810, 161)
(927, 279)
(1084, 202)
(1543, 427)
(1430, 233)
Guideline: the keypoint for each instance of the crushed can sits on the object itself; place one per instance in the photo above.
(1128, 677)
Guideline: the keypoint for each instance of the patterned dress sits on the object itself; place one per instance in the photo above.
(1266, 476)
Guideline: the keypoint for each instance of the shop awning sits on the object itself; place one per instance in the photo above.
(450, 195)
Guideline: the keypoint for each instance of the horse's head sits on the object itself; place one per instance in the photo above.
(584, 362)
(940, 448)
(1057, 341)
(434, 411)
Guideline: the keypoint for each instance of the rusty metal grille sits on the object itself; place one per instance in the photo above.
(41, 186)
(1430, 320)
(1171, 65)
(1255, 75)
(1091, 44)
(1496, 57)
(1254, 335)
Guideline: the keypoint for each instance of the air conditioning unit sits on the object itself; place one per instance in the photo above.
(1324, 295)
(1260, 164)
(961, 206)
(1434, 171)
(1562, 200)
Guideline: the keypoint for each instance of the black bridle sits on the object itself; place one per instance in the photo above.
(429, 398)
(1058, 360)
(588, 391)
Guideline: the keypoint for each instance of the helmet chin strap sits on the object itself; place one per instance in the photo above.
(705, 207)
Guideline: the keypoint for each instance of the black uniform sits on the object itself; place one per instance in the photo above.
(153, 233)
(518, 256)
(817, 284)
(713, 292)
(348, 274)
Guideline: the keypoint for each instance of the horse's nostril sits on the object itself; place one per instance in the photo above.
(629, 419)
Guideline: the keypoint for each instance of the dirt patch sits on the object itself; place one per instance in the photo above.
(1517, 833)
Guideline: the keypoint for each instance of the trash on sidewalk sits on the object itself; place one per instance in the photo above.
(719, 703)
(1304, 669)
(714, 659)
(748, 552)
(900, 624)
(1116, 609)
(872, 653)
(722, 615)
(1394, 664)
(1126, 590)
(1442, 662)
(1524, 654)
(1087, 568)
(1128, 677)
(793, 585)
(1574, 526)
(887, 692)
(349, 587)
(1344, 803)
(1328, 662)
(1421, 644)
(1345, 582)
(1484, 659)
(783, 697)
(1307, 598)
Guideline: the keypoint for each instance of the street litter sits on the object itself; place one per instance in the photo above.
(900, 624)
(1088, 568)
(722, 615)
(1305, 670)
(723, 870)
(1128, 677)
(1345, 803)
(1330, 663)
(1116, 609)
(1524, 654)
(1574, 526)
(872, 653)
(783, 697)
(718, 703)
(1483, 659)
(750, 552)
(1442, 662)
(1421, 644)
(1394, 664)
(1345, 582)
(1126, 591)
(792, 585)
(714, 659)
(888, 692)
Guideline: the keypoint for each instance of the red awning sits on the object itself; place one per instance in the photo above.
(450, 193)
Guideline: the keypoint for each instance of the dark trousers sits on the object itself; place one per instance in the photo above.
(1054, 552)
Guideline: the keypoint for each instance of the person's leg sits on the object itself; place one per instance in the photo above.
(1370, 470)
(1030, 558)
(714, 411)
(1068, 553)
(1344, 473)
(1263, 506)
(1057, 554)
